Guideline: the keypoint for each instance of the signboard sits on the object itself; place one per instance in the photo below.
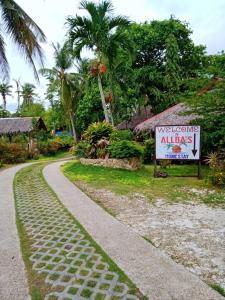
(177, 142)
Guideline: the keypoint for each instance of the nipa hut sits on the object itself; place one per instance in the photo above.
(175, 115)
(15, 126)
(136, 119)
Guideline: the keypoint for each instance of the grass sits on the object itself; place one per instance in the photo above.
(124, 182)
(58, 155)
(218, 288)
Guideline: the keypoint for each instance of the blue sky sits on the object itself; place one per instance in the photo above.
(206, 18)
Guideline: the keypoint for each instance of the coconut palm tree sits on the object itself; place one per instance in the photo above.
(97, 32)
(63, 82)
(5, 90)
(28, 94)
(23, 32)
(18, 92)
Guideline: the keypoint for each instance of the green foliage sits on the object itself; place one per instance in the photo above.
(83, 149)
(211, 108)
(216, 161)
(218, 288)
(65, 139)
(149, 150)
(49, 147)
(125, 149)
(97, 131)
(121, 135)
(32, 110)
(4, 113)
(12, 153)
(54, 118)
(89, 108)
(164, 53)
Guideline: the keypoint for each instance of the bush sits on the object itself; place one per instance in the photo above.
(122, 135)
(98, 131)
(12, 153)
(216, 161)
(65, 139)
(125, 149)
(149, 150)
(49, 147)
(83, 149)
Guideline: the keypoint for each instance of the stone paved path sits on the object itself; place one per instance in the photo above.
(74, 268)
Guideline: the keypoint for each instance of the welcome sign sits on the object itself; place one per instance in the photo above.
(177, 142)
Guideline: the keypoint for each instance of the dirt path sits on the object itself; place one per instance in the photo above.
(192, 234)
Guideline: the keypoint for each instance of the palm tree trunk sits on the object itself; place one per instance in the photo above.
(73, 127)
(4, 102)
(103, 99)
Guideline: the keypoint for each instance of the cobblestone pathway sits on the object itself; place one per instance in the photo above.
(74, 268)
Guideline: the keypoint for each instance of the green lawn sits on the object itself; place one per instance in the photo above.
(125, 182)
(58, 155)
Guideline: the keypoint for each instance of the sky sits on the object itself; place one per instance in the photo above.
(205, 18)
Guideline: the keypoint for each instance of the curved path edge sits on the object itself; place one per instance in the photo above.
(154, 273)
(13, 281)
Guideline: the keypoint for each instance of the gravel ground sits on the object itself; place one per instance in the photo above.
(191, 233)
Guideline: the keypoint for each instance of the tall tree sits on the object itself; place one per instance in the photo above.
(28, 94)
(5, 90)
(23, 32)
(63, 82)
(97, 32)
(18, 92)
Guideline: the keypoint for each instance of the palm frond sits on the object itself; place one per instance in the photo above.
(23, 31)
(118, 21)
(4, 66)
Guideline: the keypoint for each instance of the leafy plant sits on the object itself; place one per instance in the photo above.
(216, 162)
(12, 153)
(97, 131)
(122, 135)
(125, 149)
(149, 150)
(83, 149)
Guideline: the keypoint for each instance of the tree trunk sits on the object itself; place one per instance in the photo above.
(103, 99)
(73, 127)
(4, 102)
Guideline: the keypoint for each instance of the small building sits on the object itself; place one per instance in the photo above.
(14, 126)
(136, 119)
(175, 115)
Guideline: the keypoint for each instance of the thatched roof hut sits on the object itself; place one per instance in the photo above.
(9, 126)
(175, 115)
(136, 119)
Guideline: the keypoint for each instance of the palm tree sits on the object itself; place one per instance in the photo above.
(5, 90)
(97, 32)
(28, 95)
(18, 92)
(63, 82)
(24, 33)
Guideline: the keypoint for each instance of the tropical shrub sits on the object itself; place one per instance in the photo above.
(125, 149)
(216, 161)
(12, 153)
(65, 139)
(98, 131)
(83, 149)
(122, 135)
(149, 150)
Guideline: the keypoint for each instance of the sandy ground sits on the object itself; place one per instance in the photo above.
(191, 233)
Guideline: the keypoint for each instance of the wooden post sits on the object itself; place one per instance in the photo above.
(155, 167)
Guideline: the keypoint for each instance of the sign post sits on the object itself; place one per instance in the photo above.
(178, 142)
